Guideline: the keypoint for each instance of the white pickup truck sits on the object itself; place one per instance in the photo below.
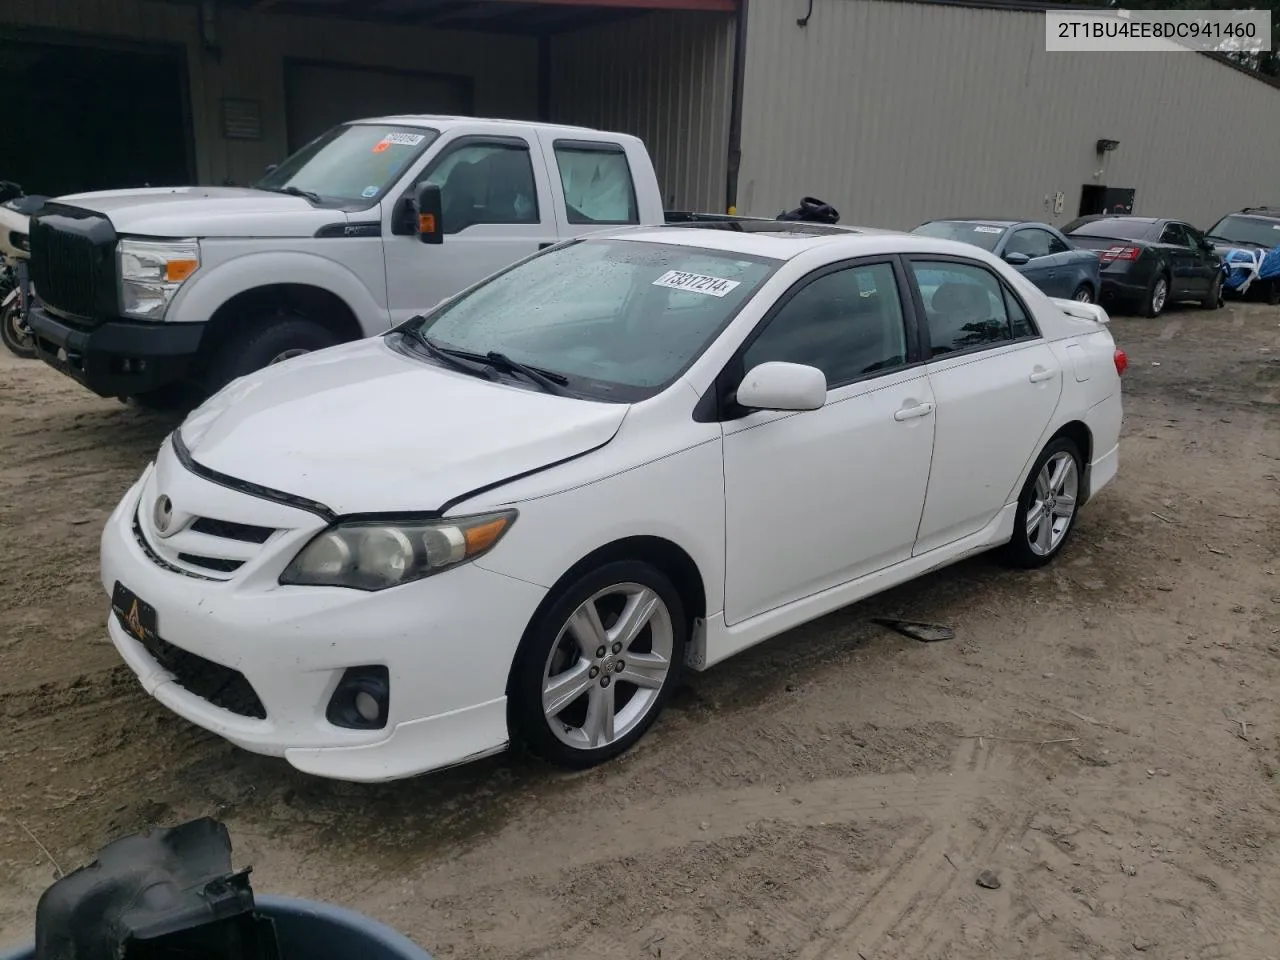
(158, 293)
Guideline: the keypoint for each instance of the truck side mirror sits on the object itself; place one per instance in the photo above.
(429, 208)
(271, 168)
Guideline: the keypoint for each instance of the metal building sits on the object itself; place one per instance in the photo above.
(893, 111)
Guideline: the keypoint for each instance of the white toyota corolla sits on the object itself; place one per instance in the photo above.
(521, 515)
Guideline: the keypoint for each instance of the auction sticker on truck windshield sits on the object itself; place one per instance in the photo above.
(398, 140)
(696, 283)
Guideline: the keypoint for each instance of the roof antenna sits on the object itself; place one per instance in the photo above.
(804, 21)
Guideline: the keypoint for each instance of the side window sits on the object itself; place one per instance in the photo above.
(1056, 244)
(847, 324)
(1034, 243)
(1173, 233)
(485, 182)
(597, 184)
(965, 306)
(1020, 324)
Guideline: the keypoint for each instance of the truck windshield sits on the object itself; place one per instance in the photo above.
(984, 235)
(1260, 231)
(352, 163)
(617, 319)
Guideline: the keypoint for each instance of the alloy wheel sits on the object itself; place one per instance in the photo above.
(1159, 295)
(607, 668)
(1054, 505)
(284, 355)
(1083, 295)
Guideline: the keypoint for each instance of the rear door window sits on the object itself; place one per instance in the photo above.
(1173, 233)
(597, 183)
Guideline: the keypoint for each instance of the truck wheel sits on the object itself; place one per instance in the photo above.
(279, 339)
(15, 333)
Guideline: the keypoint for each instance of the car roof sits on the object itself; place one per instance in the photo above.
(1121, 216)
(787, 240)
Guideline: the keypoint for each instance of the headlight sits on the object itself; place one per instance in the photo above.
(151, 271)
(374, 556)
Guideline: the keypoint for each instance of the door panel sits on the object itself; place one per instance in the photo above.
(816, 499)
(992, 409)
(497, 209)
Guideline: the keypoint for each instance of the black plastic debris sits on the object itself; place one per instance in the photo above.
(161, 895)
(924, 632)
(812, 210)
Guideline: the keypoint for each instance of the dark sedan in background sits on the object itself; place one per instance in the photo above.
(1150, 262)
(1036, 250)
(1253, 228)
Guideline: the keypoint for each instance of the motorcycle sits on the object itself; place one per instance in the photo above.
(16, 289)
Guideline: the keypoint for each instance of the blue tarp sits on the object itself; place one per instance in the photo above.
(1245, 265)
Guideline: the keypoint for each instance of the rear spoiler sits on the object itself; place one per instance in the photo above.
(1084, 311)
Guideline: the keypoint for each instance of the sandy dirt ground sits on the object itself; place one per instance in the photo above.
(1104, 734)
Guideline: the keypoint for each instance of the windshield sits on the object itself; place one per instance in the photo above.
(1257, 230)
(351, 163)
(1116, 228)
(984, 235)
(619, 319)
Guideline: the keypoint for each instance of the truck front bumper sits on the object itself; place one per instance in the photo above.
(118, 358)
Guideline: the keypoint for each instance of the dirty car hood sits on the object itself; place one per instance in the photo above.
(207, 212)
(363, 428)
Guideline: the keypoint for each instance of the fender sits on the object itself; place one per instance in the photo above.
(210, 288)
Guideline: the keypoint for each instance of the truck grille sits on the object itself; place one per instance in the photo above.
(73, 262)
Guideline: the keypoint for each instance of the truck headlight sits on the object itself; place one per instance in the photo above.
(368, 555)
(151, 271)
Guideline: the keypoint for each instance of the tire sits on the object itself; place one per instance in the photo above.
(1272, 292)
(262, 343)
(594, 682)
(1031, 548)
(1214, 299)
(19, 343)
(1083, 294)
(1153, 303)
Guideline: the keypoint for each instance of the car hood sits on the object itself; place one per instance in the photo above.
(207, 212)
(362, 428)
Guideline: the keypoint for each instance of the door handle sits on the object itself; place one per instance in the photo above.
(910, 413)
(1040, 375)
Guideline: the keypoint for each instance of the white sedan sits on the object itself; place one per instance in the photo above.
(521, 515)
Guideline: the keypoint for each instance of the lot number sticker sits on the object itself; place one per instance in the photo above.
(987, 229)
(398, 140)
(697, 283)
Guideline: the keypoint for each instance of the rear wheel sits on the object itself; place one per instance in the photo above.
(1157, 296)
(1083, 294)
(1048, 506)
(15, 333)
(594, 671)
(270, 340)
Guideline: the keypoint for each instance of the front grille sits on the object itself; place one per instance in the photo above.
(230, 530)
(220, 564)
(73, 262)
(219, 685)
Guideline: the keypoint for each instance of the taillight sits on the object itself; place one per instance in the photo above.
(1120, 252)
(1122, 362)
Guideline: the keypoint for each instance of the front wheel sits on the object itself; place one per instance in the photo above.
(1048, 506)
(594, 671)
(1083, 294)
(1213, 300)
(273, 340)
(15, 333)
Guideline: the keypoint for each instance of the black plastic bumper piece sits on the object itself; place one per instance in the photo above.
(118, 358)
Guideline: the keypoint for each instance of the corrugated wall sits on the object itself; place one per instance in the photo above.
(504, 69)
(664, 77)
(899, 112)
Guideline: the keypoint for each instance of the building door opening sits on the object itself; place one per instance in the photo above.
(94, 118)
(1096, 199)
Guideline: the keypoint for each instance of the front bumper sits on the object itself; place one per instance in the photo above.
(447, 641)
(118, 358)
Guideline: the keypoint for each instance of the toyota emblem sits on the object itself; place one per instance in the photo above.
(162, 515)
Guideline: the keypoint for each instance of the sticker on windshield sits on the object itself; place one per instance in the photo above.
(369, 192)
(697, 283)
(404, 139)
(987, 229)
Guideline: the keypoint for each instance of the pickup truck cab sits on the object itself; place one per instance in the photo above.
(149, 293)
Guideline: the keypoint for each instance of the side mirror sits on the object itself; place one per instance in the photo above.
(271, 167)
(1016, 259)
(783, 386)
(429, 207)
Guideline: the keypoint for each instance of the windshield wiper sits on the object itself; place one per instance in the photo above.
(296, 192)
(451, 358)
(547, 380)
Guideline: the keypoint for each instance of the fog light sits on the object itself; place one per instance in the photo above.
(362, 699)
